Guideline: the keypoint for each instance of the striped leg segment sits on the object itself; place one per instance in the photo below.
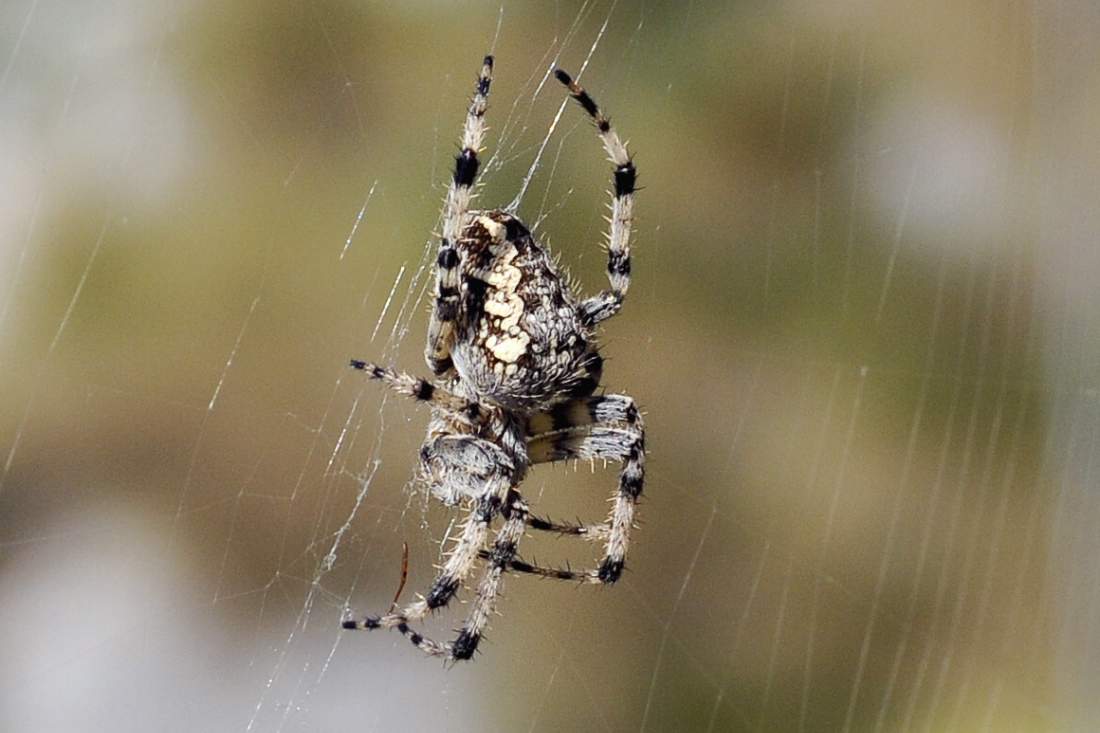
(457, 566)
(561, 424)
(594, 532)
(455, 206)
(420, 389)
(566, 573)
(624, 178)
(606, 409)
(499, 559)
(622, 443)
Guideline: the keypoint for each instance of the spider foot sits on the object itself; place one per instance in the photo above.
(465, 645)
(610, 570)
(461, 649)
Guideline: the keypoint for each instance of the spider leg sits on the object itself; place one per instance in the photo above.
(606, 304)
(503, 553)
(420, 389)
(622, 443)
(455, 206)
(611, 408)
(469, 636)
(566, 573)
(572, 416)
(457, 566)
(486, 474)
(592, 532)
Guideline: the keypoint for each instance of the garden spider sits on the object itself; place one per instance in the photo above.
(514, 351)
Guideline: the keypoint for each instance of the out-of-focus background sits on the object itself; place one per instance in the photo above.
(863, 327)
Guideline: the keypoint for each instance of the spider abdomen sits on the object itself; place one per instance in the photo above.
(519, 342)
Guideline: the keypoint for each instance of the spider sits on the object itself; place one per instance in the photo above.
(517, 366)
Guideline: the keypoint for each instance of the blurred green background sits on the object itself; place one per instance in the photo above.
(862, 325)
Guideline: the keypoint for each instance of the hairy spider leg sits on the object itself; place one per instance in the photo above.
(515, 513)
(607, 410)
(625, 443)
(455, 207)
(499, 559)
(460, 561)
(601, 307)
(421, 390)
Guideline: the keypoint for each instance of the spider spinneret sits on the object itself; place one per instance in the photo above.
(514, 352)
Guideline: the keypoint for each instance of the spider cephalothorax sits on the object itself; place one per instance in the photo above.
(513, 348)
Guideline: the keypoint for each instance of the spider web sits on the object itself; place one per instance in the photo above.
(863, 328)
